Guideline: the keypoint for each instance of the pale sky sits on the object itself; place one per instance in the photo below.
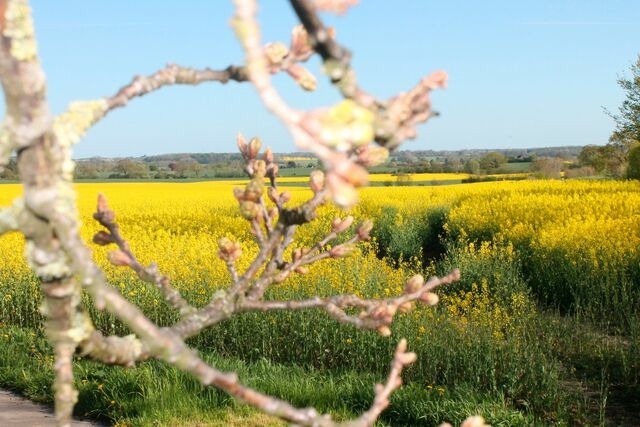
(526, 73)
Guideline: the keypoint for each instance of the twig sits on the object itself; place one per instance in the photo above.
(174, 74)
(374, 312)
(106, 217)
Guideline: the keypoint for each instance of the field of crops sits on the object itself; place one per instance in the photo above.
(549, 296)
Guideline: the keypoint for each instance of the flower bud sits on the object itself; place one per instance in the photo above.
(305, 79)
(273, 194)
(272, 171)
(338, 225)
(406, 307)
(272, 212)
(300, 44)
(280, 277)
(238, 193)
(260, 168)
(407, 358)
(370, 155)
(340, 251)
(285, 196)
(102, 203)
(352, 173)
(102, 238)
(316, 181)
(254, 148)
(342, 192)
(474, 421)
(119, 258)
(414, 284)
(229, 250)
(429, 298)
(253, 190)
(249, 210)
(268, 155)
(242, 146)
(364, 229)
(384, 331)
(275, 53)
(436, 80)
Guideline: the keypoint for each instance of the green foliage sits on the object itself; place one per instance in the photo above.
(416, 237)
(633, 167)
(492, 160)
(627, 120)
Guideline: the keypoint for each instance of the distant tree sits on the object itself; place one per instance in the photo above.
(435, 166)
(291, 164)
(86, 170)
(472, 166)
(592, 155)
(452, 165)
(633, 168)
(132, 169)
(550, 167)
(195, 168)
(627, 131)
(492, 160)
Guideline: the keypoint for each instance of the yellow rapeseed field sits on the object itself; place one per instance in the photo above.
(177, 225)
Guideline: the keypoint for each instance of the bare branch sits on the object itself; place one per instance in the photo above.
(106, 217)
(401, 359)
(174, 74)
(374, 314)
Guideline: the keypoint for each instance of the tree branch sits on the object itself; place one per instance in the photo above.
(374, 314)
(174, 74)
(125, 256)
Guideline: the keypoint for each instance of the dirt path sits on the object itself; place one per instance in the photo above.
(16, 411)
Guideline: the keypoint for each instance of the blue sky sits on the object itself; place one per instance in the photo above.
(524, 73)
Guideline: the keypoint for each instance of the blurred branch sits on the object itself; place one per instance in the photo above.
(173, 74)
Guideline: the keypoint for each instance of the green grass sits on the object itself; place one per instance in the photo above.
(156, 394)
